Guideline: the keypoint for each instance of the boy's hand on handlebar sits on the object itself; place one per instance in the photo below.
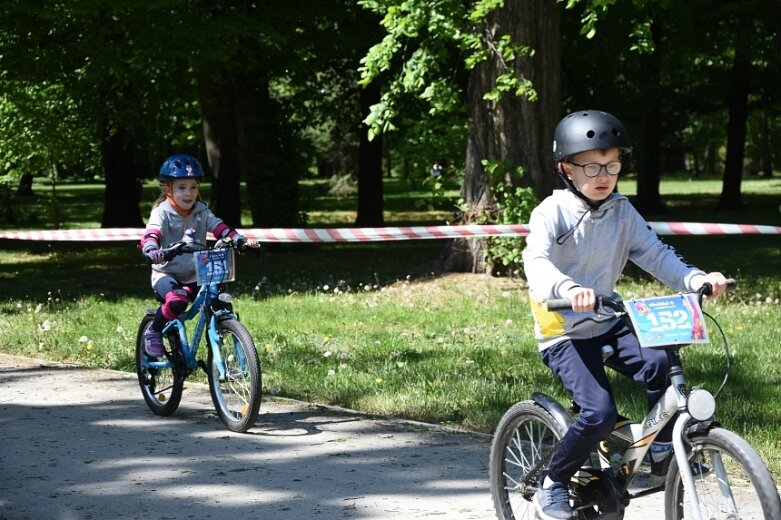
(718, 283)
(582, 299)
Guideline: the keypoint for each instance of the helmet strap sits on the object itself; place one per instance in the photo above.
(571, 187)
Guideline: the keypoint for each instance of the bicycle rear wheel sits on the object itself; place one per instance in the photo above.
(521, 449)
(735, 482)
(236, 396)
(161, 389)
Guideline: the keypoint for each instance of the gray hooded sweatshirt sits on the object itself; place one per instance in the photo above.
(571, 245)
(171, 227)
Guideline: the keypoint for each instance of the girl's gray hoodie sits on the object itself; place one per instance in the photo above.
(172, 226)
(572, 245)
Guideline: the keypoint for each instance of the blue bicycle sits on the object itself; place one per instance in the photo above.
(232, 363)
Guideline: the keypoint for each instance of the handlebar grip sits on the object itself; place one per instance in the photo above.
(707, 288)
(559, 304)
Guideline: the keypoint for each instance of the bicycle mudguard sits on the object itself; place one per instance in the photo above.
(553, 407)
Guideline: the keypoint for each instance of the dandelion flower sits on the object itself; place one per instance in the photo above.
(378, 380)
(83, 339)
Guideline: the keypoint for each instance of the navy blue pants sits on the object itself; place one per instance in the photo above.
(578, 365)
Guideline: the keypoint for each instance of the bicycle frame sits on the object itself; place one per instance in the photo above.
(641, 435)
(201, 308)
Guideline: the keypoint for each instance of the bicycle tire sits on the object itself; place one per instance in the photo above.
(750, 483)
(161, 388)
(236, 397)
(526, 435)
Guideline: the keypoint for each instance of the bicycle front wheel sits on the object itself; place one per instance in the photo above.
(236, 396)
(161, 389)
(730, 480)
(521, 449)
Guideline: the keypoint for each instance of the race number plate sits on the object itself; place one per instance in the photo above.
(214, 266)
(668, 320)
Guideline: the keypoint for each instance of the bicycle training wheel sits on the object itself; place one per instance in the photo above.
(521, 449)
(236, 396)
(161, 389)
(730, 479)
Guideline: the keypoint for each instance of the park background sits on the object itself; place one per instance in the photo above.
(334, 114)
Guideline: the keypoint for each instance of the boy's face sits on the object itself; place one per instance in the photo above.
(184, 192)
(594, 188)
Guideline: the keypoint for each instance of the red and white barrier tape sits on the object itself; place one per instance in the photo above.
(705, 228)
(382, 234)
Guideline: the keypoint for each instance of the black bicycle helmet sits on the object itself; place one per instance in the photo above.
(180, 166)
(588, 130)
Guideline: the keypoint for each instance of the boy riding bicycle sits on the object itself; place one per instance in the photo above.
(580, 239)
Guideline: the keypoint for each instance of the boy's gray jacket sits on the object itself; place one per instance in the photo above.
(571, 245)
(172, 227)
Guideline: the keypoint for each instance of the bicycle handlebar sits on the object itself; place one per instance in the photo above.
(564, 304)
(181, 247)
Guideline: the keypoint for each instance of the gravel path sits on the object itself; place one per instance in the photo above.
(80, 443)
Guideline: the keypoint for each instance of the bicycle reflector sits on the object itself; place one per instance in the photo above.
(701, 404)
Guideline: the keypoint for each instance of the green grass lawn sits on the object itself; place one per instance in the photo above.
(370, 327)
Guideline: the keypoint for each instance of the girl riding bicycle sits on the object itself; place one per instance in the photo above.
(178, 212)
(579, 242)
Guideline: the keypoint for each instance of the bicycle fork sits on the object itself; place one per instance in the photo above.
(214, 344)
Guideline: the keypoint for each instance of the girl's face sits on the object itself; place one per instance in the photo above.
(594, 188)
(184, 192)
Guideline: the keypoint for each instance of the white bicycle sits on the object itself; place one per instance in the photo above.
(714, 474)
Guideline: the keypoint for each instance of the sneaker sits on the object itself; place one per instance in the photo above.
(153, 343)
(659, 468)
(552, 503)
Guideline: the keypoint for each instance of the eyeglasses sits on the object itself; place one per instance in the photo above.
(593, 169)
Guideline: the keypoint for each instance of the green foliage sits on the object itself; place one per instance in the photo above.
(421, 37)
(42, 128)
(513, 205)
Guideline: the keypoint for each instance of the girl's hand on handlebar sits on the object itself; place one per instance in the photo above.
(718, 285)
(155, 256)
(582, 299)
(243, 242)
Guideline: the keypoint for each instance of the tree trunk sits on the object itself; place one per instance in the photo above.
(765, 148)
(215, 94)
(25, 188)
(649, 201)
(267, 158)
(514, 130)
(777, 22)
(736, 133)
(122, 194)
(370, 203)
